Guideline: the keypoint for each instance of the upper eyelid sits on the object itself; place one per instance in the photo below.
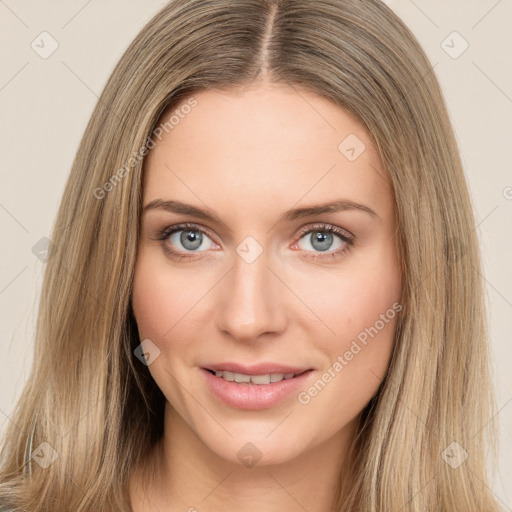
(300, 233)
(326, 227)
(189, 225)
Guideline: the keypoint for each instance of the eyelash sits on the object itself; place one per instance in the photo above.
(163, 234)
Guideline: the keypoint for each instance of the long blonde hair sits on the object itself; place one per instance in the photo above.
(97, 406)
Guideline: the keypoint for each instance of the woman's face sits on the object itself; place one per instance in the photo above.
(259, 285)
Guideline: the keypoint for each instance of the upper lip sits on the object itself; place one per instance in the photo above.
(257, 369)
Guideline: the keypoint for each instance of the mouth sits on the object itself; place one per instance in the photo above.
(259, 380)
(260, 387)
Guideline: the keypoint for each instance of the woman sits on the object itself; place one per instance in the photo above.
(325, 349)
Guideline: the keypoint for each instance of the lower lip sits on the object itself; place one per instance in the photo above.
(253, 396)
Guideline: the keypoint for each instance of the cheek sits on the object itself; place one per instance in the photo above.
(160, 299)
(354, 300)
(361, 307)
(366, 299)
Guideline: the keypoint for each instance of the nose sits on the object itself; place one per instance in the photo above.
(252, 301)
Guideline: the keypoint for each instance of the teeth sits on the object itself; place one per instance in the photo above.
(229, 376)
(254, 379)
(264, 379)
(239, 377)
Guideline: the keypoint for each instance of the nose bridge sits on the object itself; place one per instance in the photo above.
(252, 300)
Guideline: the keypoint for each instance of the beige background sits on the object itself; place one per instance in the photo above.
(45, 104)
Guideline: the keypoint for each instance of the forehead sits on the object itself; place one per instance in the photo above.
(262, 146)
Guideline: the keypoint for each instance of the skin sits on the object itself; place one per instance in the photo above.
(250, 156)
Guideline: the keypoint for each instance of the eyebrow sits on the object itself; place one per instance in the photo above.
(174, 206)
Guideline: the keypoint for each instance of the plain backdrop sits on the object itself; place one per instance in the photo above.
(46, 101)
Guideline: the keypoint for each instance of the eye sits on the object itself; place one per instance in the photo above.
(322, 240)
(325, 238)
(185, 238)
